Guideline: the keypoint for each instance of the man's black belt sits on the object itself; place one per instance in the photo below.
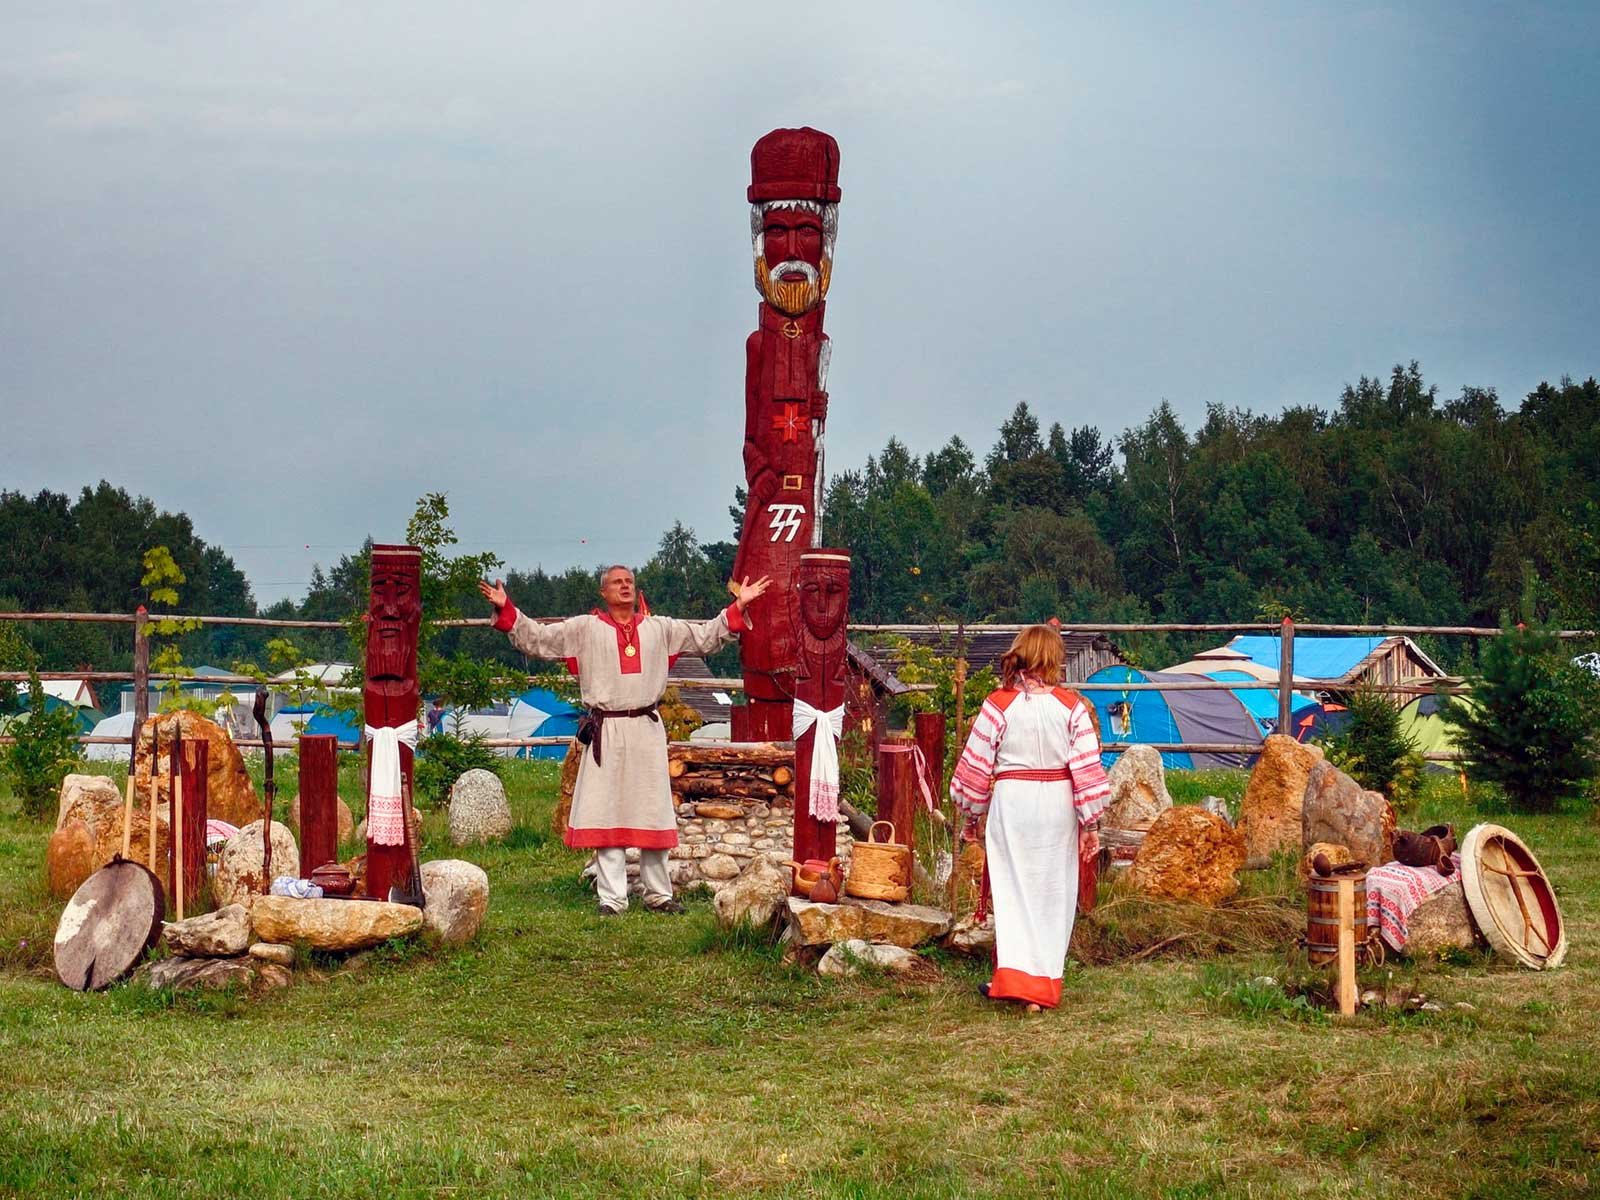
(590, 724)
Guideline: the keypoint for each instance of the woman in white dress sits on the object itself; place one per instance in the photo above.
(1032, 766)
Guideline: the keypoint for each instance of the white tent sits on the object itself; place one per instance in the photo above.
(330, 675)
(518, 719)
(75, 692)
(120, 726)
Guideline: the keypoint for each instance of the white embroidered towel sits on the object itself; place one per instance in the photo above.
(823, 798)
(386, 816)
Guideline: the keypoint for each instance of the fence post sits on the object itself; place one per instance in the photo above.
(1286, 678)
(141, 682)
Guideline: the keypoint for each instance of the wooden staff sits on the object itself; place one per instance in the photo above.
(127, 810)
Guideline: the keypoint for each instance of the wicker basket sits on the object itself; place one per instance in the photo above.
(879, 870)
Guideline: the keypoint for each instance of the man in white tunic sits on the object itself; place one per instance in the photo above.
(622, 797)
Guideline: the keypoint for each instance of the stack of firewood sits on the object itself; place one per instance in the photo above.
(733, 771)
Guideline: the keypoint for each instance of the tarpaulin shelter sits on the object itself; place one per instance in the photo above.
(1305, 713)
(1214, 716)
(537, 712)
(1321, 663)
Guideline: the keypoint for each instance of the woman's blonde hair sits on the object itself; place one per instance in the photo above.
(1036, 651)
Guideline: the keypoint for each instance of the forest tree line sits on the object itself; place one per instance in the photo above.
(1393, 506)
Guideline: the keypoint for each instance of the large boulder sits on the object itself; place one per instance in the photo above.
(332, 924)
(1189, 854)
(346, 819)
(221, 934)
(1269, 814)
(1138, 789)
(908, 925)
(69, 859)
(84, 795)
(230, 796)
(93, 802)
(755, 897)
(457, 893)
(239, 867)
(1336, 809)
(478, 808)
(183, 974)
(1441, 922)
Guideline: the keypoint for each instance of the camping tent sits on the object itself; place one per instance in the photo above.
(537, 712)
(1156, 717)
(1422, 723)
(1336, 663)
(120, 726)
(1305, 714)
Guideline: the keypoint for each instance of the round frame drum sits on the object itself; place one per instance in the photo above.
(1510, 898)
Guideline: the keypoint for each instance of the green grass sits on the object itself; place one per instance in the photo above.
(649, 1056)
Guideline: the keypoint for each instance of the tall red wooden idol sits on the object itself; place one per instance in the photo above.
(794, 216)
(818, 607)
(392, 701)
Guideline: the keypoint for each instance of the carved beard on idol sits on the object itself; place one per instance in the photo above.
(799, 297)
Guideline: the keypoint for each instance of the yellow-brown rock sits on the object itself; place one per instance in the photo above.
(332, 924)
(347, 820)
(1337, 856)
(93, 802)
(1189, 854)
(1269, 815)
(719, 812)
(69, 859)
(230, 796)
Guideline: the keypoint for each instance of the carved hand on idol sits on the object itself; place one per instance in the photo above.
(494, 593)
(750, 591)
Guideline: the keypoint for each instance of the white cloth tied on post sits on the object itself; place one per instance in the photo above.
(822, 798)
(386, 813)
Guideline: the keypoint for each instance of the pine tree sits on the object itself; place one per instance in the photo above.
(1532, 732)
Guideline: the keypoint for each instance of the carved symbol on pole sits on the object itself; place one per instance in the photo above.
(791, 330)
(790, 421)
(786, 517)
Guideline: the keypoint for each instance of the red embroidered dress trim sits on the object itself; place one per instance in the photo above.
(600, 839)
(1038, 774)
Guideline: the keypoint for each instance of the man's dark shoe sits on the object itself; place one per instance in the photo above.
(670, 907)
(609, 912)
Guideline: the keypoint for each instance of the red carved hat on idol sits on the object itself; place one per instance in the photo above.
(795, 164)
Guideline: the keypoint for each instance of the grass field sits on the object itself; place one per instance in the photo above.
(564, 1055)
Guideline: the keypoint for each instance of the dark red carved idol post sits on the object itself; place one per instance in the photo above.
(794, 216)
(929, 728)
(319, 801)
(818, 606)
(392, 701)
(193, 758)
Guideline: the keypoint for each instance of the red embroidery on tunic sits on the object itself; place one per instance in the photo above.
(791, 422)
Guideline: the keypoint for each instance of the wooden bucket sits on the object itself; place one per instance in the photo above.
(1322, 915)
(879, 870)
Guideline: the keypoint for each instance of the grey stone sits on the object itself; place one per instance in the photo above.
(273, 952)
(972, 938)
(1441, 922)
(719, 866)
(1336, 809)
(221, 934)
(1138, 789)
(755, 897)
(847, 958)
(478, 808)
(457, 895)
(239, 867)
(181, 974)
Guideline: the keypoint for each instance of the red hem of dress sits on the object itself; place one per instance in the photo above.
(1011, 984)
(601, 839)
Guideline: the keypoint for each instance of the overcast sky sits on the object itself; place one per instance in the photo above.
(287, 266)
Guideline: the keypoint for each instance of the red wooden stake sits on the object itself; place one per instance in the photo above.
(319, 802)
(194, 763)
(897, 787)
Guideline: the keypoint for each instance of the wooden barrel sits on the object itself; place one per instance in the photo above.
(1322, 915)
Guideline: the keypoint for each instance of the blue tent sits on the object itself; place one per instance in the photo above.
(341, 725)
(1305, 714)
(1314, 657)
(562, 721)
(1156, 717)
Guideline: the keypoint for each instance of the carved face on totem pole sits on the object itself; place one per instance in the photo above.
(394, 613)
(794, 217)
(822, 585)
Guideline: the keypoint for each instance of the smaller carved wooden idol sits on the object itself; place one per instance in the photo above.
(819, 604)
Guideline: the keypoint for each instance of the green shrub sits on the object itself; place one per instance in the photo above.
(1533, 730)
(441, 759)
(45, 750)
(1374, 751)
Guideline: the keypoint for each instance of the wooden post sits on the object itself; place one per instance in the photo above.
(192, 829)
(1286, 678)
(1346, 980)
(319, 801)
(175, 821)
(141, 681)
(897, 787)
(930, 727)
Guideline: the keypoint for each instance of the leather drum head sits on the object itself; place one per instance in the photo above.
(1511, 901)
(108, 925)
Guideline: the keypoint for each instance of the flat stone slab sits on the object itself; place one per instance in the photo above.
(332, 924)
(184, 974)
(854, 919)
(847, 958)
(221, 934)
